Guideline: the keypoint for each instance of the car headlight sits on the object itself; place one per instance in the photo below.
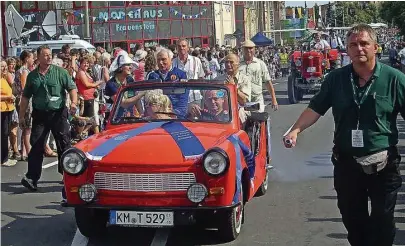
(216, 162)
(73, 161)
(298, 63)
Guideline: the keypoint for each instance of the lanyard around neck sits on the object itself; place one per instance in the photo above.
(355, 95)
(356, 89)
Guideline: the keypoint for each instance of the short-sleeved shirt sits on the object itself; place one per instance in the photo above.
(377, 115)
(48, 91)
(258, 74)
(242, 82)
(194, 70)
(5, 90)
(179, 102)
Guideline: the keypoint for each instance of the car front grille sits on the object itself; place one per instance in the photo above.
(144, 181)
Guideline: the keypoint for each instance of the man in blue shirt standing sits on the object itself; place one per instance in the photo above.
(168, 73)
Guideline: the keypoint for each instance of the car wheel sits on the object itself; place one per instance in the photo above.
(91, 222)
(264, 186)
(292, 97)
(231, 225)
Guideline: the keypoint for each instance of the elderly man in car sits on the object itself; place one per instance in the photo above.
(214, 106)
(232, 76)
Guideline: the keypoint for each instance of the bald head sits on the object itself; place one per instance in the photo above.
(232, 57)
(231, 64)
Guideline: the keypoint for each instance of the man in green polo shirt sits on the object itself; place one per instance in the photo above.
(46, 86)
(366, 97)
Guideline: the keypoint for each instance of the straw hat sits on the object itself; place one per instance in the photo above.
(140, 55)
(248, 44)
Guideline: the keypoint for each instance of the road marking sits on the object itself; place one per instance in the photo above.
(161, 236)
(276, 83)
(50, 165)
(79, 239)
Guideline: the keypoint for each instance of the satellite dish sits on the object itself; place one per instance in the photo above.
(14, 22)
(49, 24)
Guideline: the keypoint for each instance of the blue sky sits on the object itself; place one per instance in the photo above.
(310, 4)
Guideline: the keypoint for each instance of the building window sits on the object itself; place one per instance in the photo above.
(43, 5)
(99, 4)
(63, 4)
(117, 4)
(164, 29)
(136, 30)
(149, 30)
(28, 5)
(101, 33)
(187, 28)
(176, 28)
(197, 27)
(78, 4)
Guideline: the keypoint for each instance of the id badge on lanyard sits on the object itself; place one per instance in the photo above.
(49, 97)
(357, 134)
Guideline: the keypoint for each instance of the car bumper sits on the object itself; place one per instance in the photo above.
(182, 215)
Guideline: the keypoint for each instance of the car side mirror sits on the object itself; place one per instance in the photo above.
(252, 106)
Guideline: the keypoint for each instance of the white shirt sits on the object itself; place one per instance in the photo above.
(214, 68)
(335, 42)
(321, 45)
(258, 74)
(194, 70)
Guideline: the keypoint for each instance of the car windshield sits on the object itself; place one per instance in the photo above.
(167, 102)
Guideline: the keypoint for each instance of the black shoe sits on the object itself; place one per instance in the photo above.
(29, 184)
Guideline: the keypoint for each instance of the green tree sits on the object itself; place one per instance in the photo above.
(350, 13)
(394, 13)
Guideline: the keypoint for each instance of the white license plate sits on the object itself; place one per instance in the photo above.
(311, 69)
(141, 218)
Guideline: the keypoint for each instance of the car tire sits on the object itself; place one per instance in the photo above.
(230, 225)
(91, 222)
(291, 91)
(264, 186)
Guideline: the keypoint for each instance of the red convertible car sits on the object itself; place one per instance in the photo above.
(158, 165)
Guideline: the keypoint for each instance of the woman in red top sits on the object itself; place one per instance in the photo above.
(86, 87)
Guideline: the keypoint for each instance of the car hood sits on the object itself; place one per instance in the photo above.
(155, 146)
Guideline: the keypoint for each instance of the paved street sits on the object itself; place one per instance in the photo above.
(299, 208)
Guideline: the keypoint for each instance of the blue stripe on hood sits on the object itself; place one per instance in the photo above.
(189, 144)
(109, 145)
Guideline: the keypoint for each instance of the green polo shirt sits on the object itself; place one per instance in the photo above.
(377, 114)
(48, 91)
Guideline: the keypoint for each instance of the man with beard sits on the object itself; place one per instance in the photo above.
(365, 98)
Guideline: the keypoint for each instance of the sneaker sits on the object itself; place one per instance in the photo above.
(10, 163)
(29, 184)
(16, 156)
